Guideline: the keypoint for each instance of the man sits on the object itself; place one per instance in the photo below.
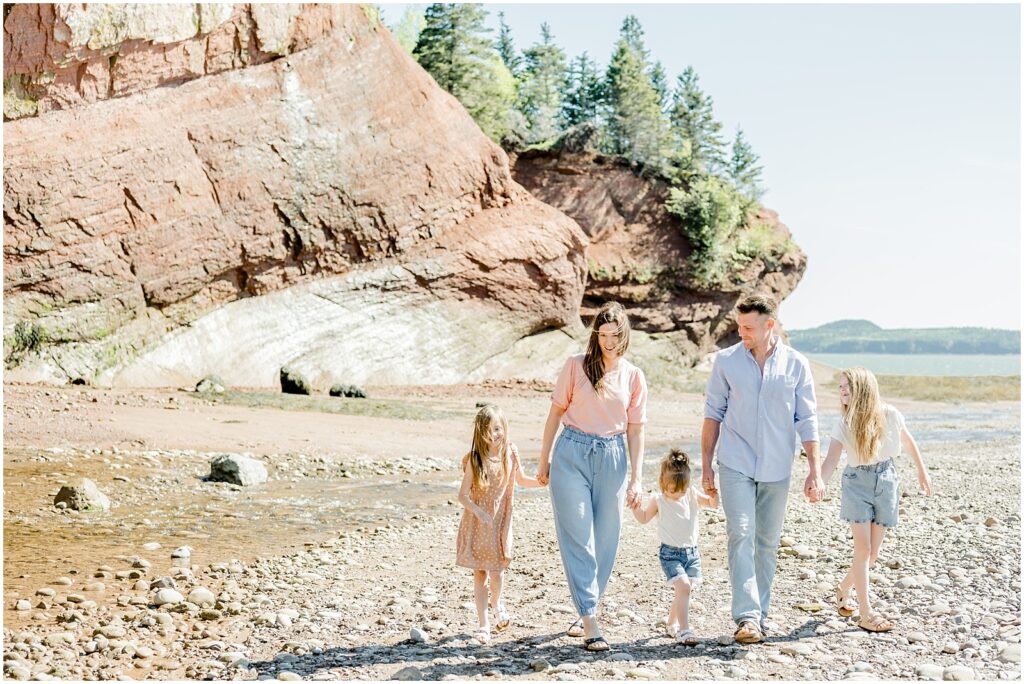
(759, 397)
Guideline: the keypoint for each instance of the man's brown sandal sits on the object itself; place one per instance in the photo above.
(748, 633)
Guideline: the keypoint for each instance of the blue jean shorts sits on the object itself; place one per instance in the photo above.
(680, 560)
(871, 493)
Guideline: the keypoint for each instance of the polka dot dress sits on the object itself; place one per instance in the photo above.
(481, 547)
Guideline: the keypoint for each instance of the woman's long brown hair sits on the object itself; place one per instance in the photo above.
(593, 360)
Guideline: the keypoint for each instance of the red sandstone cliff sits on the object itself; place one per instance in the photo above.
(154, 175)
(637, 253)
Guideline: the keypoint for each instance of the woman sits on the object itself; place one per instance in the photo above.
(599, 397)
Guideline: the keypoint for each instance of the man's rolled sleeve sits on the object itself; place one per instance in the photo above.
(806, 416)
(716, 396)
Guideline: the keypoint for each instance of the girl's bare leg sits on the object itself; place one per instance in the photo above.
(859, 569)
(681, 602)
(480, 594)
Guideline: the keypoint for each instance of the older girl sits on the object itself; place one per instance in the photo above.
(601, 401)
(484, 544)
(871, 433)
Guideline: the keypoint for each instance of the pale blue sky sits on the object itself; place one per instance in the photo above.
(890, 137)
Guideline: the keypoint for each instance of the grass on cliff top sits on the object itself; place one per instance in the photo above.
(951, 389)
(378, 408)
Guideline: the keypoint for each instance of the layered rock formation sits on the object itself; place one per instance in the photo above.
(180, 199)
(637, 254)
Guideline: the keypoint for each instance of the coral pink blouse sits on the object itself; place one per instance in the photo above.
(624, 400)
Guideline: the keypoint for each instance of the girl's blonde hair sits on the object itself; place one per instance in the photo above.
(865, 414)
(675, 473)
(482, 446)
(593, 360)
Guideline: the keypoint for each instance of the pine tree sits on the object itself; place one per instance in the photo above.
(542, 84)
(694, 127)
(454, 49)
(659, 79)
(506, 48)
(407, 30)
(584, 92)
(744, 169)
(636, 128)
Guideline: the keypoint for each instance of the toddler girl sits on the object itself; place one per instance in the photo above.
(676, 508)
(871, 433)
(484, 544)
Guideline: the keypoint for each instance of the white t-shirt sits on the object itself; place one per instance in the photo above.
(677, 520)
(889, 447)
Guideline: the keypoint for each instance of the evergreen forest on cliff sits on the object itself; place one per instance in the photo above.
(540, 98)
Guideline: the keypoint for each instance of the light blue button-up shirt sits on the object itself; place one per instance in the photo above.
(761, 416)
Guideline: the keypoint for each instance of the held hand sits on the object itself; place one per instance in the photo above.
(814, 488)
(543, 473)
(924, 480)
(485, 519)
(708, 482)
(633, 496)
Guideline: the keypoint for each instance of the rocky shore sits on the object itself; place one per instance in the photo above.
(369, 590)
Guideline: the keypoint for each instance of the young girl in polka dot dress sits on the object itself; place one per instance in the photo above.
(491, 470)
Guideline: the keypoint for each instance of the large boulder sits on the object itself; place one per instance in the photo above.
(304, 194)
(238, 470)
(83, 496)
(293, 382)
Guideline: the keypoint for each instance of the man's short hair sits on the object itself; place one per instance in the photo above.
(762, 304)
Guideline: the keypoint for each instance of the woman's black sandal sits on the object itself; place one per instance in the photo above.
(588, 644)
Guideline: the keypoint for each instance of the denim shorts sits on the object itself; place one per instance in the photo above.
(679, 560)
(871, 493)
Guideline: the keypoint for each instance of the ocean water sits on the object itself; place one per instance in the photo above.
(926, 364)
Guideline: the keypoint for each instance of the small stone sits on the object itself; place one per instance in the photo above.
(1010, 653)
(958, 673)
(540, 665)
(992, 522)
(201, 596)
(23, 604)
(929, 672)
(621, 656)
(112, 631)
(642, 673)
(798, 648)
(237, 469)
(435, 626)
(917, 637)
(407, 674)
(417, 635)
(165, 596)
(18, 672)
(287, 676)
(182, 552)
(83, 496)
(951, 647)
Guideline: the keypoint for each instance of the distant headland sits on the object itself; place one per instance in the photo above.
(860, 336)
